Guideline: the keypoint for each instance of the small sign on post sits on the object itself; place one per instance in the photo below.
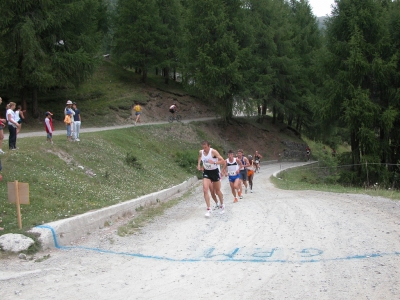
(18, 193)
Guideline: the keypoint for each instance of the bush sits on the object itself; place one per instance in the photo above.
(132, 161)
(188, 160)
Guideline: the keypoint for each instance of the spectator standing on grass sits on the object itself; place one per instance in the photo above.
(77, 121)
(138, 110)
(69, 107)
(2, 125)
(68, 122)
(19, 116)
(12, 125)
(308, 152)
(48, 124)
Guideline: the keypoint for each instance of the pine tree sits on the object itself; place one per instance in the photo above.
(171, 19)
(360, 63)
(48, 43)
(212, 52)
(138, 38)
(307, 42)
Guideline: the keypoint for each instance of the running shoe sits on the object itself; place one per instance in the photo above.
(217, 206)
(1, 151)
(245, 191)
(235, 200)
(222, 211)
(208, 213)
(251, 191)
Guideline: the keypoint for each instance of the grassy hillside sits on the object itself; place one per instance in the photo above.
(127, 163)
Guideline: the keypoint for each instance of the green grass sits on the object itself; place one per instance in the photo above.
(312, 178)
(60, 188)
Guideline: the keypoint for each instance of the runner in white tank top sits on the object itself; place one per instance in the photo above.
(232, 168)
(210, 159)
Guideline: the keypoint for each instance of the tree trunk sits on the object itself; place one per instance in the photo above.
(23, 98)
(298, 124)
(156, 71)
(166, 75)
(385, 146)
(35, 106)
(264, 107)
(290, 121)
(274, 113)
(355, 151)
(174, 74)
(144, 76)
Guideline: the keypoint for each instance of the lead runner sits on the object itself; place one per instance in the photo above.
(210, 158)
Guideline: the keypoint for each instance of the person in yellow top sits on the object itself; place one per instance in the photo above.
(138, 110)
(68, 122)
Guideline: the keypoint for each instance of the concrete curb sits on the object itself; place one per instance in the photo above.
(71, 229)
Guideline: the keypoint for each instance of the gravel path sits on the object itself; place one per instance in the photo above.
(96, 129)
(273, 244)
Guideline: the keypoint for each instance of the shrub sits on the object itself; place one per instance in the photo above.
(187, 160)
(132, 161)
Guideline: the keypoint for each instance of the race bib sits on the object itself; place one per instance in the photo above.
(208, 166)
(232, 170)
(257, 161)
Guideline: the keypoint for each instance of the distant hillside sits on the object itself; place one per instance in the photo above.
(321, 22)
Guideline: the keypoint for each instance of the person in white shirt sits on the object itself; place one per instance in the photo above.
(12, 125)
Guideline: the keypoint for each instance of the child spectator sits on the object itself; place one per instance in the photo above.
(68, 122)
(48, 124)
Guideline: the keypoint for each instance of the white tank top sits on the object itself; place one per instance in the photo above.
(206, 158)
(232, 167)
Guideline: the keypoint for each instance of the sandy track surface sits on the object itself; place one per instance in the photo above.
(273, 244)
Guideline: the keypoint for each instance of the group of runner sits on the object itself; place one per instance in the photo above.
(239, 169)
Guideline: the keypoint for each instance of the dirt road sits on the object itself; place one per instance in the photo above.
(273, 244)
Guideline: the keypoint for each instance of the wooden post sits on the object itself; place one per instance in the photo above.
(18, 205)
(18, 193)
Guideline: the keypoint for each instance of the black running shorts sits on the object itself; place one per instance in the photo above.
(213, 175)
(243, 174)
